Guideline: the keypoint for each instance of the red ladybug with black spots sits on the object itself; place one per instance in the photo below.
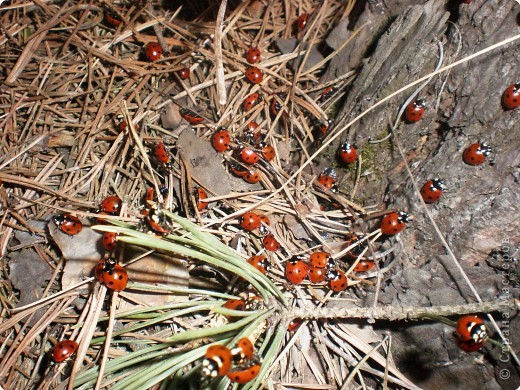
(251, 101)
(153, 51)
(244, 374)
(253, 55)
(191, 116)
(250, 221)
(63, 350)
(394, 223)
(511, 97)
(347, 153)
(254, 75)
(111, 205)
(296, 270)
(217, 361)
(68, 224)
(271, 243)
(415, 111)
(220, 140)
(432, 190)
(476, 154)
(337, 280)
(260, 263)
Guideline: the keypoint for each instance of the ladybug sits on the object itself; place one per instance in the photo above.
(359, 247)
(122, 125)
(103, 265)
(260, 263)
(252, 127)
(109, 241)
(64, 350)
(302, 21)
(184, 73)
(268, 152)
(250, 221)
(324, 127)
(115, 278)
(199, 195)
(217, 361)
(511, 97)
(295, 324)
(235, 304)
(476, 154)
(317, 275)
(113, 19)
(153, 51)
(191, 117)
(244, 351)
(252, 177)
(320, 259)
(327, 93)
(415, 111)
(275, 105)
(364, 265)
(238, 169)
(251, 101)
(254, 75)
(328, 179)
(162, 155)
(158, 221)
(471, 328)
(220, 140)
(111, 204)
(68, 224)
(394, 223)
(248, 156)
(296, 270)
(244, 374)
(337, 279)
(347, 153)
(253, 55)
(270, 243)
(432, 190)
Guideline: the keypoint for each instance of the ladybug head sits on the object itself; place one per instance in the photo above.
(58, 220)
(420, 103)
(332, 274)
(485, 149)
(346, 146)
(439, 184)
(478, 332)
(330, 172)
(403, 216)
(209, 368)
(331, 263)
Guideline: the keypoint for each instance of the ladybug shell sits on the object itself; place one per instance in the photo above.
(327, 93)
(511, 97)
(98, 271)
(111, 204)
(476, 154)
(270, 243)
(191, 117)
(220, 140)
(254, 75)
(115, 278)
(347, 153)
(260, 263)
(68, 224)
(251, 101)
(64, 350)
(302, 21)
(268, 152)
(113, 19)
(415, 111)
(109, 241)
(319, 259)
(471, 328)
(217, 361)
(252, 177)
(253, 55)
(161, 153)
(122, 125)
(364, 266)
(244, 375)
(295, 324)
(248, 156)
(392, 224)
(184, 73)
(317, 275)
(326, 181)
(296, 271)
(431, 192)
(238, 170)
(157, 221)
(275, 107)
(199, 195)
(358, 249)
(235, 304)
(153, 51)
(323, 128)
(243, 351)
(250, 221)
(338, 280)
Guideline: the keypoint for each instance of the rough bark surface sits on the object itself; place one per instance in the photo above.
(478, 216)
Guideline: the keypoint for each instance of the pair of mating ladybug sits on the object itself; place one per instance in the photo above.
(219, 359)
(321, 269)
(470, 333)
(111, 205)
